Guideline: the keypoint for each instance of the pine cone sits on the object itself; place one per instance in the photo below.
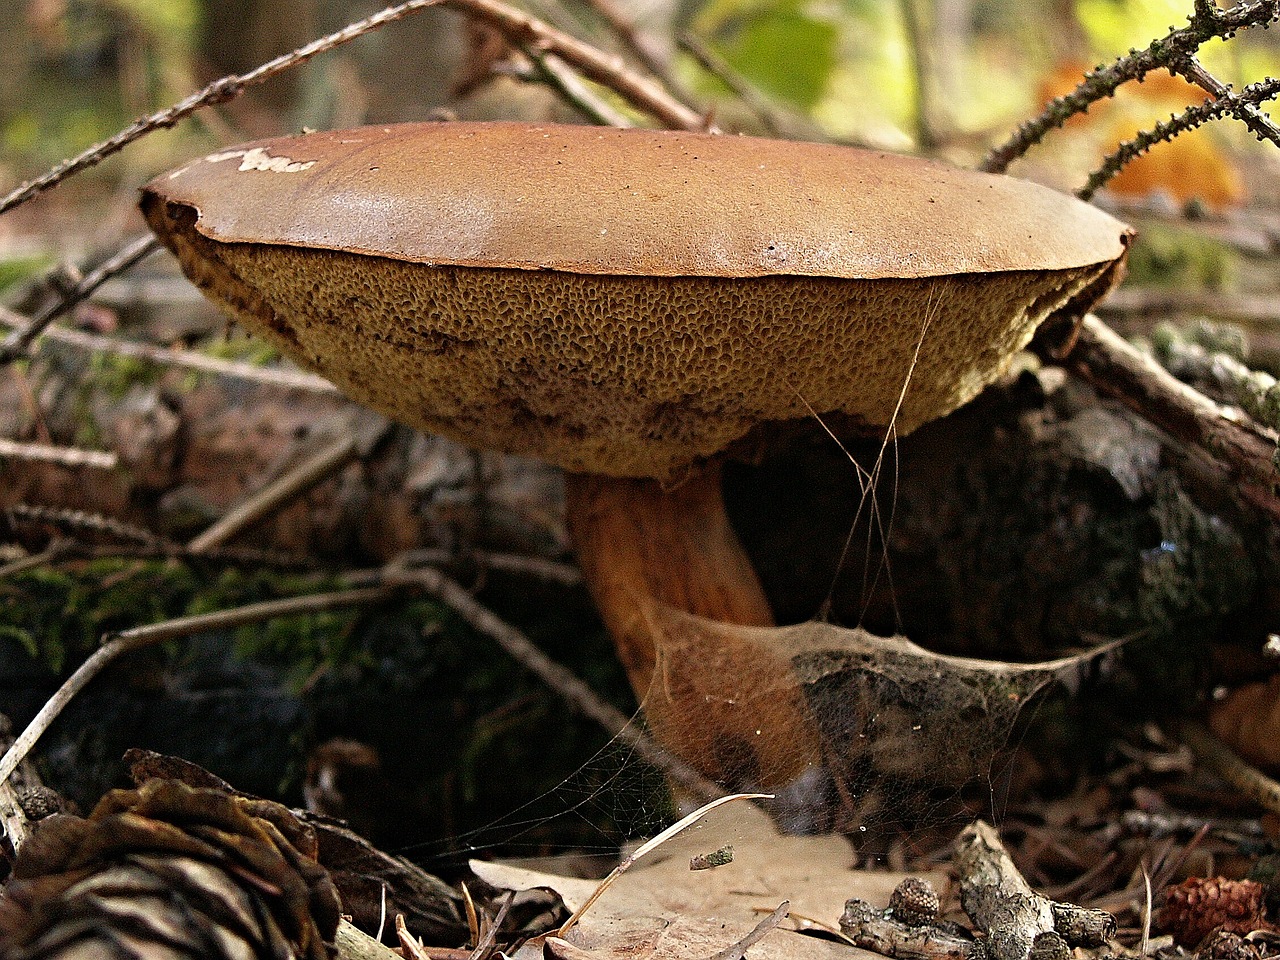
(174, 872)
(1200, 905)
(914, 902)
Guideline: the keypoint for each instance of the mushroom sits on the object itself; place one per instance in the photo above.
(628, 305)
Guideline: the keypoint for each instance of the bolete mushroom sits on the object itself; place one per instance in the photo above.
(628, 304)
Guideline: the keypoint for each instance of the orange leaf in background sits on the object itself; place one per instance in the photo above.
(1191, 167)
(1248, 721)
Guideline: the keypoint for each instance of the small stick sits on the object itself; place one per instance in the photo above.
(1189, 119)
(81, 520)
(135, 639)
(484, 948)
(565, 574)
(17, 342)
(72, 457)
(1239, 447)
(1262, 125)
(715, 65)
(277, 377)
(1156, 302)
(736, 951)
(294, 483)
(557, 74)
(1228, 765)
(571, 689)
(648, 847)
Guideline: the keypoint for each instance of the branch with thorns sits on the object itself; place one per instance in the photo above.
(1176, 52)
(1230, 103)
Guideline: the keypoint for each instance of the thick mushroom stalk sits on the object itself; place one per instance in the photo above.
(647, 549)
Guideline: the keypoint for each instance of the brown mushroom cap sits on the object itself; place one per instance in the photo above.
(624, 301)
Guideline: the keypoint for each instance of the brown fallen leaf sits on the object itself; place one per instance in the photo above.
(1248, 721)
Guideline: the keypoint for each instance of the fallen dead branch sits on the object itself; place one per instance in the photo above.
(1241, 449)
(1018, 922)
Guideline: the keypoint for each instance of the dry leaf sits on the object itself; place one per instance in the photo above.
(661, 908)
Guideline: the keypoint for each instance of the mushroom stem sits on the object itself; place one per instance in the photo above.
(640, 543)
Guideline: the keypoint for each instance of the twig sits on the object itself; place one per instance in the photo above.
(565, 574)
(280, 491)
(17, 342)
(13, 818)
(1239, 447)
(571, 689)
(648, 847)
(1174, 48)
(1224, 761)
(484, 948)
(553, 71)
(735, 951)
(277, 377)
(63, 550)
(715, 65)
(139, 637)
(641, 45)
(81, 521)
(519, 27)
(72, 457)
(1192, 117)
(1155, 302)
(1016, 919)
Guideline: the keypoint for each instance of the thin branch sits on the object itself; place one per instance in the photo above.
(297, 481)
(81, 521)
(277, 377)
(1189, 119)
(641, 45)
(519, 27)
(126, 641)
(565, 574)
(1227, 764)
(715, 65)
(736, 951)
(1173, 49)
(571, 689)
(554, 72)
(72, 457)
(1162, 303)
(17, 342)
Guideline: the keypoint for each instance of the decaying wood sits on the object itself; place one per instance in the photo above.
(1241, 449)
(1019, 923)
(873, 930)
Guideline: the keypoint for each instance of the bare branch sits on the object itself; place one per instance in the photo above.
(1248, 113)
(72, 457)
(17, 342)
(278, 377)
